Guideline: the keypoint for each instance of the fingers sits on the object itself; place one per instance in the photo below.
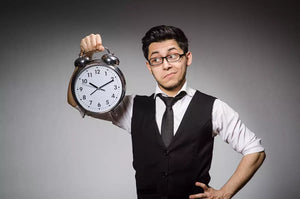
(199, 195)
(99, 45)
(202, 185)
(91, 44)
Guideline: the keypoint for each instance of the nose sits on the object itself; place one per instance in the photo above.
(166, 65)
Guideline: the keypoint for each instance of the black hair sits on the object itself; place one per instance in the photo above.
(162, 33)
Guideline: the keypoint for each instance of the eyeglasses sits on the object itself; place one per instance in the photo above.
(155, 61)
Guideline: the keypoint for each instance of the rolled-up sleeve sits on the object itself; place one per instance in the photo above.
(120, 116)
(227, 124)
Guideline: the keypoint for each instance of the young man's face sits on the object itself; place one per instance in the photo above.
(169, 76)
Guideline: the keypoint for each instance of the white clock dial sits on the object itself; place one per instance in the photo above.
(98, 88)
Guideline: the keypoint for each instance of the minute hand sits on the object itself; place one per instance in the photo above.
(105, 84)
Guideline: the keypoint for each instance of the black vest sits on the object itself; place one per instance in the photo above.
(171, 172)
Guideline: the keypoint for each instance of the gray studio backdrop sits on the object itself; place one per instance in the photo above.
(244, 52)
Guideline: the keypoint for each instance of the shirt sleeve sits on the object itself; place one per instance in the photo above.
(121, 116)
(228, 125)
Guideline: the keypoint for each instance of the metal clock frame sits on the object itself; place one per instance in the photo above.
(98, 62)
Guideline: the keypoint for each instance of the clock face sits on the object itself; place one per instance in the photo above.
(98, 88)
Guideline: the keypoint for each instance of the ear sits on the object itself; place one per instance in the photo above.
(189, 58)
(149, 67)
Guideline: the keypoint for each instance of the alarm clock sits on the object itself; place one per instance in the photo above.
(98, 86)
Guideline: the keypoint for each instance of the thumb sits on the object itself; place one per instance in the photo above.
(99, 47)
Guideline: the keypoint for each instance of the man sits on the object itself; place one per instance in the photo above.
(172, 157)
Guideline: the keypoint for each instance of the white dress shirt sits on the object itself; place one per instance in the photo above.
(225, 121)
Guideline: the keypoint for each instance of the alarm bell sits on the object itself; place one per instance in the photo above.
(110, 59)
(81, 61)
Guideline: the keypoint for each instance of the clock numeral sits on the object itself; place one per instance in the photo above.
(112, 78)
(99, 105)
(90, 74)
(91, 101)
(105, 73)
(115, 87)
(107, 102)
(84, 97)
(97, 71)
(80, 88)
(84, 81)
(113, 96)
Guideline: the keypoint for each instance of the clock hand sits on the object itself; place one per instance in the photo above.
(96, 86)
(100, 88)
(87, 85)
(106, 84)
(94, 91)
(93, 85)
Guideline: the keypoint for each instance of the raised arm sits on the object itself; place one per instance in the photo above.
(88, 46)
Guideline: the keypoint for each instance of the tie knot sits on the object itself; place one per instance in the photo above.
(170, 101)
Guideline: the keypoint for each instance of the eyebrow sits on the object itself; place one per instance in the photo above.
(170, 49)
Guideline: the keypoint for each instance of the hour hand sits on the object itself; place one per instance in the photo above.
(93, 85)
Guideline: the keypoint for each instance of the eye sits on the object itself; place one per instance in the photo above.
(173, 57)
(155, 60)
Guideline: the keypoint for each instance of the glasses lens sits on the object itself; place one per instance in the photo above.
(156, 61)
(173, 57)
(170, 58)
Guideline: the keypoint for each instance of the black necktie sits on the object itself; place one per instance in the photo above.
(167, 125)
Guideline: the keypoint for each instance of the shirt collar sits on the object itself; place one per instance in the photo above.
(189, 91)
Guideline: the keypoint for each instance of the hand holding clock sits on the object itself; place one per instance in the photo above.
(91, 44)
(92, 75)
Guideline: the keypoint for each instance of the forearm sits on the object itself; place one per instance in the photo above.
(70, 98)
(245, 170)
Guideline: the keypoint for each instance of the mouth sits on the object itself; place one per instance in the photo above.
(169, 75)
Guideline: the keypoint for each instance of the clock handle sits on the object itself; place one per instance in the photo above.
(106, 48)
(110, 58)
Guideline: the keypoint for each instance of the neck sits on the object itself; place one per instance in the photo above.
(171, 92)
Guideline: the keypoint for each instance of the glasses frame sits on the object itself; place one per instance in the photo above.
(166, 57)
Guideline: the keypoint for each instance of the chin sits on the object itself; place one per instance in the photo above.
(171, 86)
